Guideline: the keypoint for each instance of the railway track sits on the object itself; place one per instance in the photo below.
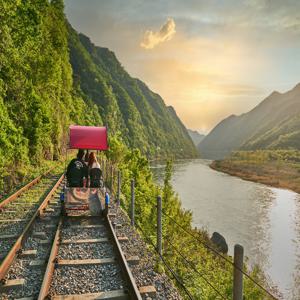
(87, 262)
(56, 257)
(17, 211)
(26, 235)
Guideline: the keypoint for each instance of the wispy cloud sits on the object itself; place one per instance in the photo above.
(165, 33)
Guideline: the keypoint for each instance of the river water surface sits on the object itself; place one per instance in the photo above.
(264, 220)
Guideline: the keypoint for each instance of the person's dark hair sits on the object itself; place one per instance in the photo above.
(86, 157)
(80, 154)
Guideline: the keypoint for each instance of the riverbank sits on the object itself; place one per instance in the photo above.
(281, 174)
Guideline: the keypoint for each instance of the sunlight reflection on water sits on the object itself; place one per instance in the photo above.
(264, 220)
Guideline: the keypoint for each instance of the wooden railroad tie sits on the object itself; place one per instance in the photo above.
(46, 219)
(38, 263)
(150, 290)
(122, 239)
(40, 235)
(28, 254)
(26, 204)
(50, 226)
(86, 262)
(44, 242)
(13, 220)
(133, 260)
(9, 211)
(90, 241)
(9, 237)
(13, 284)
(108, 295)
(87, 226)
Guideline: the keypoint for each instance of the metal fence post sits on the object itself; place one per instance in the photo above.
(159, 226)
(111, 178)
(237, 274)
(132, 203)
(119, 188)
(103, 170)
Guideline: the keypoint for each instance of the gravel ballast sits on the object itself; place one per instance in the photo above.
(75, 234)
(85, 251)
(86, 279)
(144, 272)
(21, 268)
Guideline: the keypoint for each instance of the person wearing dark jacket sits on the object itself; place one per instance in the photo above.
(77, 171)
(94, 171)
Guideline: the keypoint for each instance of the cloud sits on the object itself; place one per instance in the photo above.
(165, 33)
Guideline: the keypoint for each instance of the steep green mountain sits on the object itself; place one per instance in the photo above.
(196, 136)
(126, 104)
(273, 124)
(51, 77)
(37, 96)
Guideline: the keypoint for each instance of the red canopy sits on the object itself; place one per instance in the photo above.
(88, 137)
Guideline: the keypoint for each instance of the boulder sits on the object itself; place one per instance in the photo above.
(219, 241)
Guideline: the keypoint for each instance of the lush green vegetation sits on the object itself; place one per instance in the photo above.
(40, 94)
(134, 165)
(37, 96)
(280, 168)
(126, 104)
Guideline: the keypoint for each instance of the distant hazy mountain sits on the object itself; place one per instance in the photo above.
(273, 124)
(196, 136)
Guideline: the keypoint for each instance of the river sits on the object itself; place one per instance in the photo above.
(264, 220)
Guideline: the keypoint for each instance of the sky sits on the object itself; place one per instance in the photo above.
(208, 59)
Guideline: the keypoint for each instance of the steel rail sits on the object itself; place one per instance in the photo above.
(133, 291)
(6, 263)
(132, 287)
(51, 264)
(23, 189)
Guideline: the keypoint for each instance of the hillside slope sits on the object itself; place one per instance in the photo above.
(273, 124)
(126, 104)
(196, 136)
(51, 77)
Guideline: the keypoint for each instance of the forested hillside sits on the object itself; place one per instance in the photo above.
(273, 124)
(126, 104)
(40, 94)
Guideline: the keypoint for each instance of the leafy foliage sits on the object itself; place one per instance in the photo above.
(41, 95)
(126, 104)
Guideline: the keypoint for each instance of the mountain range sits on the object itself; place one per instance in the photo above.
(273, 124)
(126, 104)
(51, 77)
(196, 136)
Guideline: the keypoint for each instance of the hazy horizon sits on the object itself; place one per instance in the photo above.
(207, 60)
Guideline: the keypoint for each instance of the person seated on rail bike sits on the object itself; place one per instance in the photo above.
(77, 171)
(86, 158)
(94, 171)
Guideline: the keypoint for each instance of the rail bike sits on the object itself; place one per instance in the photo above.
(85, 199)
